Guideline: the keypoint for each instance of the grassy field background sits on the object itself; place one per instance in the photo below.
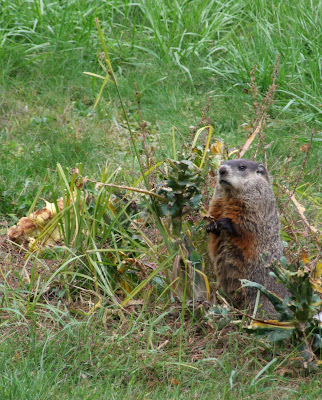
(184, 57)
(178, 54)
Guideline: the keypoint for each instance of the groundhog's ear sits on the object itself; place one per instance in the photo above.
(261, 169)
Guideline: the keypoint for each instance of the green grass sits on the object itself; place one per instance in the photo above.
(182, 56)
(96, 360)
(179, 54)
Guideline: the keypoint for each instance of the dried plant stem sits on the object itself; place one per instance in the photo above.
(142, 124)
(250, 140)
(130, 188)
(261, 109)
(237, 311)
(299, 210)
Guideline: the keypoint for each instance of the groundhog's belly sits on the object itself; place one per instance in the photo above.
(230, 266)
(233, 261)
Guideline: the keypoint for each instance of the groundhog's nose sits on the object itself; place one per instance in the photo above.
(223, 170)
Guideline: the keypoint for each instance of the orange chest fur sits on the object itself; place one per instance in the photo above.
(245, 240)
(226, 208)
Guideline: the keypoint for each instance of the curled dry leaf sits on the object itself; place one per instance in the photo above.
(24, 227)
(316, 278)
(29, 228)
(217, 147)
(205, 215)
(305, 255)
(318, 270)
(305, 147)
(174, 381)
(80, 182)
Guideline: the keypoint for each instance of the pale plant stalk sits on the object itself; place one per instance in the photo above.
(111, 73)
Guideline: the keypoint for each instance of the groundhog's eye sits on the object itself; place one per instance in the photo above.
(242, 167)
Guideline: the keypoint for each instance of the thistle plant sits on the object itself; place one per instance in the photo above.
(298, 314)
(182, 189)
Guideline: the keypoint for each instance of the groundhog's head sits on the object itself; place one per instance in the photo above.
(243, 175)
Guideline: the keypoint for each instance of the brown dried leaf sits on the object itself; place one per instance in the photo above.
(305, 147)
(217, 148)
(305, 256)
(29, 228)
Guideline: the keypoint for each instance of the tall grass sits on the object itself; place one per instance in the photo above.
(177, 52)
(226, 38)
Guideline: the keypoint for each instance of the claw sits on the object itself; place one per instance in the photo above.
(212, 227)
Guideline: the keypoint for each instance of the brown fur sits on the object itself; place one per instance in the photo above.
(246, 227)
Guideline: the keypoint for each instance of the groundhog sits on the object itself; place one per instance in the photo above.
(245, 233)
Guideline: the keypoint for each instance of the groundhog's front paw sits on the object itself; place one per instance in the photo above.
(212, 228)
(227, 224)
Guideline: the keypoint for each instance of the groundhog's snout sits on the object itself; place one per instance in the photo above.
(224, 175)
(223, 170)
